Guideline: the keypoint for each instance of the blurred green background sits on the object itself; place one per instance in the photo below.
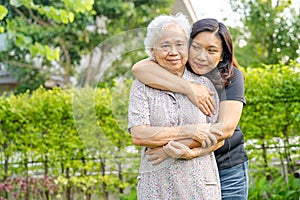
(64, 85)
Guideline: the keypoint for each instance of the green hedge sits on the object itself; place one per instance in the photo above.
(71, 139)
(271, 126)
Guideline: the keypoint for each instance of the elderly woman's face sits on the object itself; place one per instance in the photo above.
(205, 52)
(171, 49)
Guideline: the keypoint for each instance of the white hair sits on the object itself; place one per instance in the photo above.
(156, 26)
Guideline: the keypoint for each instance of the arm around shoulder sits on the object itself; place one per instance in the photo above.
(152, 74)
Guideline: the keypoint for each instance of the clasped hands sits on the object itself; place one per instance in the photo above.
(206, 135)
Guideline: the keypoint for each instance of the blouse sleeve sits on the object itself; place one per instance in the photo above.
(138, 109)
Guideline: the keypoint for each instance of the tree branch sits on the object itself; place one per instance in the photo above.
(68, 60)
(21, 14)
(38, 20)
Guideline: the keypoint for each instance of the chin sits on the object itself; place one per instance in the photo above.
(200, 72)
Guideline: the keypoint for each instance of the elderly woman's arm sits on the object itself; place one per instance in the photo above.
(150, 73)
(191, 135)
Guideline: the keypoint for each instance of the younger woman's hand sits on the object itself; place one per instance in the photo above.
(201, 96)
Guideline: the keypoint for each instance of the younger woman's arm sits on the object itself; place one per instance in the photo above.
(152, 74)
(229, 116)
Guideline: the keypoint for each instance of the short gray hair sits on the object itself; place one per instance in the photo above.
(156, 26)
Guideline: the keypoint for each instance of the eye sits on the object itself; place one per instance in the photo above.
(211, 50)
(165, 47)
(180, 46)
(195, 47)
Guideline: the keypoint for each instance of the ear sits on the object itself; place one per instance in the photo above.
(153, 52)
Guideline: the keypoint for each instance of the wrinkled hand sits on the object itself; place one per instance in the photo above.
(156, 155)
(201, 96)
(177, 150)
(202, 133)
(212, 137)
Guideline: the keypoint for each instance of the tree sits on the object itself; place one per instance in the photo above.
(51, 37)
(270, 33)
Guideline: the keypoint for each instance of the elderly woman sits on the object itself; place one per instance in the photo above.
(160, 118)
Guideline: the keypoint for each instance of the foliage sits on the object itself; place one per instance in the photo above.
(3, 12)
(32, 187)
(279, 189)
(43, 134)
(131, 196)
(53, 38)
(271, 118)
(270, 90)
(269, 33)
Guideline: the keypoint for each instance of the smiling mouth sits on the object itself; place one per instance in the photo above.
(174, 61)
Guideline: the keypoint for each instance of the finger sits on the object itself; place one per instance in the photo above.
(151, 158)
(149, 152)
(213, 139)
(207, 142)
(158, 161)
(178, 145)
(172, 152)
(211, 105)
(203, 144)
(210, 91)
(203, 108)
(207, 106)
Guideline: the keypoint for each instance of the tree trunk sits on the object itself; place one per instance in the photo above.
(68, 192)
(286, 143)
(104, 186)
(45, 176)
(120, 172)
(266, 165)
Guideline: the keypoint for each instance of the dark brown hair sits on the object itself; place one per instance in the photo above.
(225, 67)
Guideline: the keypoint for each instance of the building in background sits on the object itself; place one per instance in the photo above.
(186, 8)
(7, 82)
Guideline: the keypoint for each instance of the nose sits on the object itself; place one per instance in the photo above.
(201, 55)
(173, 50)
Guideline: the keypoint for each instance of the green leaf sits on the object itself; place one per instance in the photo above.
(64, 16)
(16, 3)
(3, 12)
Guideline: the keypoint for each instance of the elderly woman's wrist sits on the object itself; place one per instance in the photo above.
(188, 131)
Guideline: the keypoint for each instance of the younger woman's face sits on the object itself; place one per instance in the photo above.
(205, 52)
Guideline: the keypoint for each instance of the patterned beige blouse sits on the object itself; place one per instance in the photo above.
(173, 178)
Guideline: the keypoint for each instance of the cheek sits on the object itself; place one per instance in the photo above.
(185, 56)
(216, 61)
(191, 56)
